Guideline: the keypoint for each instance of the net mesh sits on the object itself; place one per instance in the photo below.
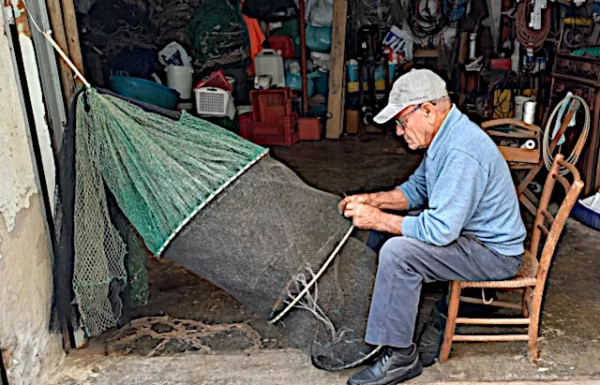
(219, 206)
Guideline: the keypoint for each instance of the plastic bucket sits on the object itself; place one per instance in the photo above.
(180, 79)
(519, 103)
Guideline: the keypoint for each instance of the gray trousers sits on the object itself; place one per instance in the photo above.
(405, 263)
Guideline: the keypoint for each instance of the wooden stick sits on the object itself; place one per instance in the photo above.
(491, 338)
(490, 321)
(58, 28)
(72, 34)
(336, 75)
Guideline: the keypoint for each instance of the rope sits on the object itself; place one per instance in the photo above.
(315, 278)
(572, 159)
(531, 38)
(62, 54)
(485, 301)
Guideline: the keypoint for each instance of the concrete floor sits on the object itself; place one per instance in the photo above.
(570, 332)
(281, 367)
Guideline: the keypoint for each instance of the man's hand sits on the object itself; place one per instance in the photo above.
(363, 216)
(358, 198)
(367, 217)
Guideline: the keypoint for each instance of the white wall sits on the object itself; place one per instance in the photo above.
(30, 351)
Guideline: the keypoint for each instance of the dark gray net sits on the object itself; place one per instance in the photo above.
(265, 235)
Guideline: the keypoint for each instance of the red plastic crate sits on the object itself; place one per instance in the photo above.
(281, 133)
(309, 129)
(271, 105)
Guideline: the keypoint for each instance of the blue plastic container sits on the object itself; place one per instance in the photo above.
(585, 212)
(145, 91)
(322, 83)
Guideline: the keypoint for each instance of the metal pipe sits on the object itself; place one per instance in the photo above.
(303, 58)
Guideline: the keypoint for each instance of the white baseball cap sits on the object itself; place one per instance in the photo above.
(414, 87)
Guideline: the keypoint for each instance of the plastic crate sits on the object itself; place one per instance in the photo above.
(281, 133)
(309, 129)
(271, 105)
(213, 101)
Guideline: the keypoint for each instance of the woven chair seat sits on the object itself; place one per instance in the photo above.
(526, 277)
(507, 284)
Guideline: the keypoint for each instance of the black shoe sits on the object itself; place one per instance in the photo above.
(430, 341)
(392, 368)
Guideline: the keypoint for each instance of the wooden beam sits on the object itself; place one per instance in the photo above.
(72, 34)
(337, 90)
(58, 32)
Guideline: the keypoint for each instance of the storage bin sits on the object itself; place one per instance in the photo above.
(309, 129)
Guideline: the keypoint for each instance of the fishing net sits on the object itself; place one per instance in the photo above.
(218, 34)
(221, 207)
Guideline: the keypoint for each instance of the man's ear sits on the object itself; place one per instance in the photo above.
(430, 112)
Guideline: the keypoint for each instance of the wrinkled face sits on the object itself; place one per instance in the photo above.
(416, 124)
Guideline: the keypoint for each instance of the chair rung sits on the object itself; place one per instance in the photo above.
(490, 338)
(489, 321)
(493, 303)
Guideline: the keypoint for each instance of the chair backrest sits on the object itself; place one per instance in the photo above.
(548, 225)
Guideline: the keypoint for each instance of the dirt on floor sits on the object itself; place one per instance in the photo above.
(570, 331)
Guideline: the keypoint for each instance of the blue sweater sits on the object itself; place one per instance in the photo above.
(469, 188)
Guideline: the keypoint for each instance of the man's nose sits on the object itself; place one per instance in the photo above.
(399, 130)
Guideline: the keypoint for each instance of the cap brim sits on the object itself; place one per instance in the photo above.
(387, 113)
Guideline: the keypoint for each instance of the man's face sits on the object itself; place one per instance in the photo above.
(411, 124)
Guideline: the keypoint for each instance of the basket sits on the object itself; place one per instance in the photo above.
(284, 132)
(212, 101)
(271, 105)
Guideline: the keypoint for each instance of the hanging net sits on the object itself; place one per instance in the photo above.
(221, 207)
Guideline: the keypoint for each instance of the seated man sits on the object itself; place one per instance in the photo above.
(470, 230)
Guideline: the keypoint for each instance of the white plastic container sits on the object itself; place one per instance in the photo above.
(270, 62)
(180, 78)
(211, 101)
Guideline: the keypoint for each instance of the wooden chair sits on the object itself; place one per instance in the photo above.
(531, 278)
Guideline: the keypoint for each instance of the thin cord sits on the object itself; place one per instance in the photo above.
(62, 54)
(315, 278)
(485, 301)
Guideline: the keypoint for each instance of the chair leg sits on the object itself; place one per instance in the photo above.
(532, 347)
(526, 297)
(451, 321)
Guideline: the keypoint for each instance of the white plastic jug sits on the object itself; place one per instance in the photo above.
(180, 78)
(270, 62)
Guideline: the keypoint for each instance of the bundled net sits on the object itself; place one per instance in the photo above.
(218, 35)
(221, 207)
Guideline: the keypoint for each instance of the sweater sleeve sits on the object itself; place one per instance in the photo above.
(415, 188)
(453, 201)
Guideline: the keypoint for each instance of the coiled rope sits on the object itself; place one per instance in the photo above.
(574, 157)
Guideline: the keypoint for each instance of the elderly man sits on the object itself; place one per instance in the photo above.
(471, 228)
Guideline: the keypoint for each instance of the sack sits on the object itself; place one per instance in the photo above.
(270, 10)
